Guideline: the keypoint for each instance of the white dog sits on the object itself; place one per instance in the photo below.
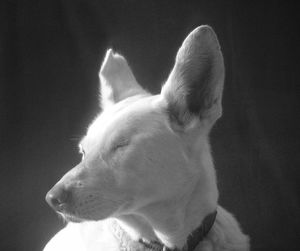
(146, 180)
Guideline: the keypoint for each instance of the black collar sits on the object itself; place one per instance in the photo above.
(192, 241)
(201, 232)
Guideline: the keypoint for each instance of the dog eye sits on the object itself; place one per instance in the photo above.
(120, 145)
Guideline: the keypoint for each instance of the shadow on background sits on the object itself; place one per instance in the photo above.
(50, 55)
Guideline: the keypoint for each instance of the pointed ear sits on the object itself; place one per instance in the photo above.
(194, 87)
(117, 81)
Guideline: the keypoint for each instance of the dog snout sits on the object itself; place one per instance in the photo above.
(58, 197)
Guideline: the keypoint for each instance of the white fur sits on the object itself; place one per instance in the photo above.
(147, 158)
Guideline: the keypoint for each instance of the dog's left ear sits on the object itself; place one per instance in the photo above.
(117, 81)
(194, 88)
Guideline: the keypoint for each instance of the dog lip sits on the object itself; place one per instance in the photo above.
(68, 214)
(71, 217)
(74, 219)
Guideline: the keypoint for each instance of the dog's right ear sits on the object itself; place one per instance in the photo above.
(193, 90)
(117, 81)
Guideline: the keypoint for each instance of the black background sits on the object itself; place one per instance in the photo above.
(50, 56)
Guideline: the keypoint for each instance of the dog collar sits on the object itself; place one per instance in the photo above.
(126, 243)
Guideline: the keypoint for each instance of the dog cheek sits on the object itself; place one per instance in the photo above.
(96, 206)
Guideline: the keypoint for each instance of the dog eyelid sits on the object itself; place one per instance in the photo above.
(120, 144)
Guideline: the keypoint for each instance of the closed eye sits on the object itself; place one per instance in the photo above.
(119, 145)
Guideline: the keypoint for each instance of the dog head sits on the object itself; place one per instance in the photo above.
(146, 149)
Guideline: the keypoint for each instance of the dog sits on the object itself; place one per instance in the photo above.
(147, 180)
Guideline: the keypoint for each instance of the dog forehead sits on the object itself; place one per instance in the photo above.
(126, 117)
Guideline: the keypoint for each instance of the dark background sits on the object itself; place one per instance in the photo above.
(50, 56)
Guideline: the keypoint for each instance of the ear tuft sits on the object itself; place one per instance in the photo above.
(194, 87)
(117, 80)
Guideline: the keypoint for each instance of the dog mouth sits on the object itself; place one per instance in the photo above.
(70, 217)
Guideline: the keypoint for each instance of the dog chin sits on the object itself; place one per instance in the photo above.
(71, 218)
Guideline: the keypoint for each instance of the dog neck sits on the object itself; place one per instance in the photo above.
(174, 231)
(171, 222)
(193, 240)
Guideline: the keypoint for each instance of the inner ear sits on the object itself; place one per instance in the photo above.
(194, 87)
(117, 81)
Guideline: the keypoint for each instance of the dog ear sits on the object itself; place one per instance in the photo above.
(194, 87)
(117, 81)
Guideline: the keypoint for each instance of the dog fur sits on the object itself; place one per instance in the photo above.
(146, 158)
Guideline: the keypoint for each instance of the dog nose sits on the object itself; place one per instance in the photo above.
(57, 197)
